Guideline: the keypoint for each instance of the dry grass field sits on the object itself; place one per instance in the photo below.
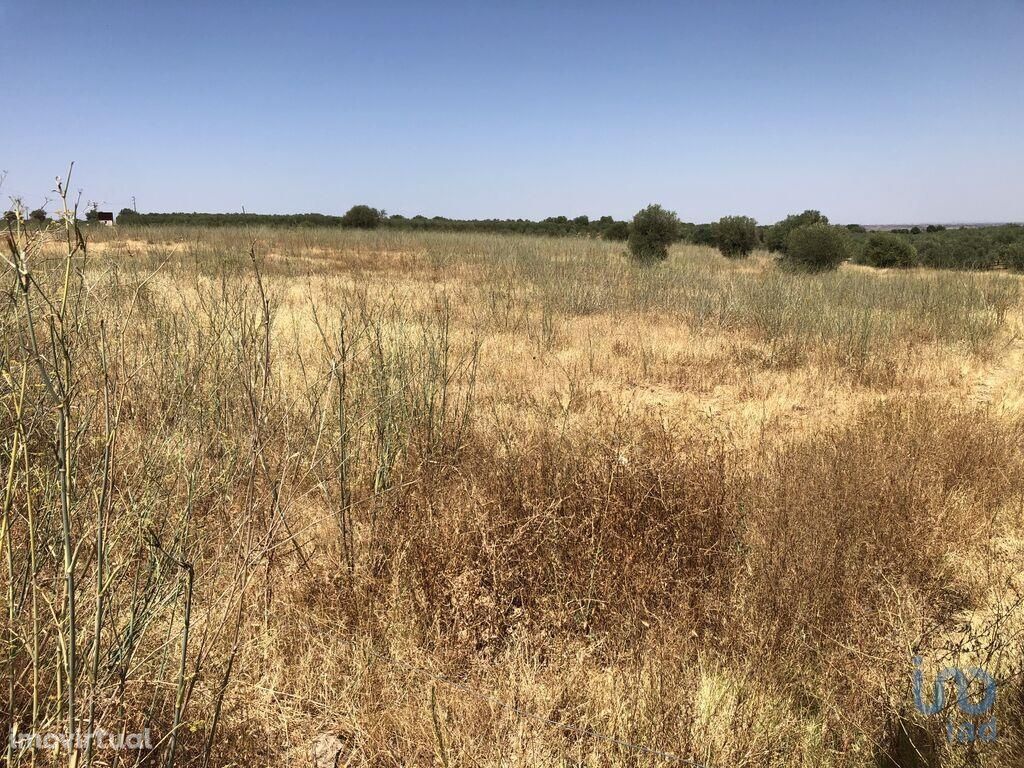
(463, 500)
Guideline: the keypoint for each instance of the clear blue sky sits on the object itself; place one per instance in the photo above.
(874, 112)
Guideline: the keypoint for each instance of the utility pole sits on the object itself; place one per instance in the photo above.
(133, 204)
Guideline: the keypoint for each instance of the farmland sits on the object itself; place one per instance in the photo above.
(436, 498)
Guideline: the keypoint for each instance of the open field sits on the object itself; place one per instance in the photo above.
(480, 500)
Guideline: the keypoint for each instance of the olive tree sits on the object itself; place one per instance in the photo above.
(884, 249)
(777, 237)
(653, 230)
(616, 231)
(362, 217)
(816, 247)
(736, 236)
(1012, 256)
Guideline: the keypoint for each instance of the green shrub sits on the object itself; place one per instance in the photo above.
(957, 249)
(816, 247)
(654, 230)
(736, 236)
(362, 217)
(1011, 256)
(884, 249)
(703, 234)
(38, 216)
(777, 236)
(617, 231)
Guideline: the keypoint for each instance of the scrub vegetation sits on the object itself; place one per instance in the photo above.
(385, 497)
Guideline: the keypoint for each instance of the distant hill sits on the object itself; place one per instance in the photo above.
(947, 225)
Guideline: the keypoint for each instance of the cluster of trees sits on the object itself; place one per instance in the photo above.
(936, 246)
(38, 216)
(366, 217)
(917, 230)
(991, 247)
(132, 218)
(809, 241)
(806, 240)
(553, 226)
(962, 248)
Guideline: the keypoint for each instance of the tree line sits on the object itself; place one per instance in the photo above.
(366, 217)
(654, 229)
